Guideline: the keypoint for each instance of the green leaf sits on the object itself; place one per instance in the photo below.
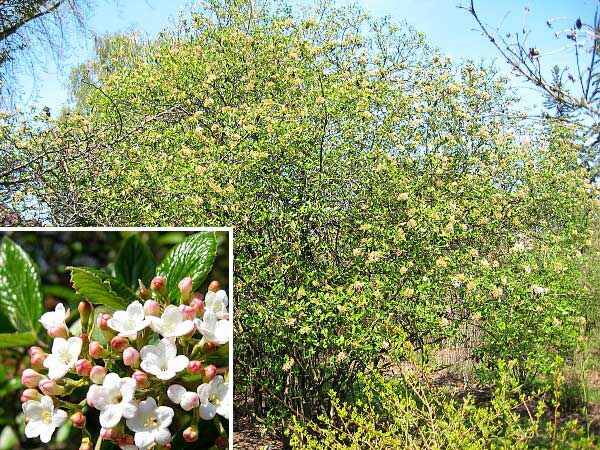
(99, 287)
(135, 261)
(8, 438)
(193, 258)
(17, 339)
(20, 287)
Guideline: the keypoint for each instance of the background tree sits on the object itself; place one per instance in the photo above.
(29, 26)
(571, 93)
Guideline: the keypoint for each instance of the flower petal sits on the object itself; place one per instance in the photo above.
(111, 415)
(164, 415)
(46, 432)
(207, 411)
(32, 429)
(33, 409)
(175, 393)
(144, 439)
(162, 436)
(59, 417)
(178, 363)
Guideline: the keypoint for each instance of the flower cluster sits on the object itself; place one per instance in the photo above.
(157, 363)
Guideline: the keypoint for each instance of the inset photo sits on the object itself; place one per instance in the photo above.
(116, 338)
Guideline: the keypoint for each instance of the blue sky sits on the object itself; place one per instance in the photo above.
(446, 26)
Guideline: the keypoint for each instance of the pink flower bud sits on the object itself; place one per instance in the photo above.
(51, 387)
(30, 394)
(102, 321)
(84, 338)
(83, 367)
(198, 306)
(141, 379)
(210, 372)
(85, 309)
(96, 350)
(105, 434)
(35, 350)
(189, 313)
(158, 284)
(56, 332)
(37, 357)
(119, 343)
(196, 367)
(152, 308)
(189, 401)
(97, 374)
(185, 286)
(30, 378)
(190, 434)
(143, 291)
(214, 286)
(210, 347)
(78, 419)
(131, 357)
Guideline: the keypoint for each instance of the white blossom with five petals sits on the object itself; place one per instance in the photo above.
(172, 323)
(129, 322)
(214, 330)
(151, 423)
(216, 397)
(161, 360)
(114, 399)
(217, 302)
(43, 418)
(56, 318)
(65, 354)
(186, 399)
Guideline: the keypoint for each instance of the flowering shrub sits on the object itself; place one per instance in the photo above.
(145, 360)
(406, 413)
(386, 199)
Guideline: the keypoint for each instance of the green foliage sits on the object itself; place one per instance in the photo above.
(20, 288)
(17, 339)
(386, 200)
(135, 261)
(406, 413)
(99, 287)
(194, 257)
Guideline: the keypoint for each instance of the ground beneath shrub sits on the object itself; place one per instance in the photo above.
(250, 436)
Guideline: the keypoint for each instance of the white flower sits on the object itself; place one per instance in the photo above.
(150, 424)
(65, 354)
(538, 290)
(114, 399)
(184, 398)
(217, 302)
(162, 360)
(214, 330)
(172, 323)
(56, 318)
(129, 322)
(216, 397)
(519, 246)
(43, 418)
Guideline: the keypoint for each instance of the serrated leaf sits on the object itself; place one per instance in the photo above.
(20, 287)
(193, 258)
(135, 261)
(99, 287)
(17, 339)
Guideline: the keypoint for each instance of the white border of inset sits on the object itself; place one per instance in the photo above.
(162, 229)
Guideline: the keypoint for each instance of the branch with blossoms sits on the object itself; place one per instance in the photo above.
(146, 367)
